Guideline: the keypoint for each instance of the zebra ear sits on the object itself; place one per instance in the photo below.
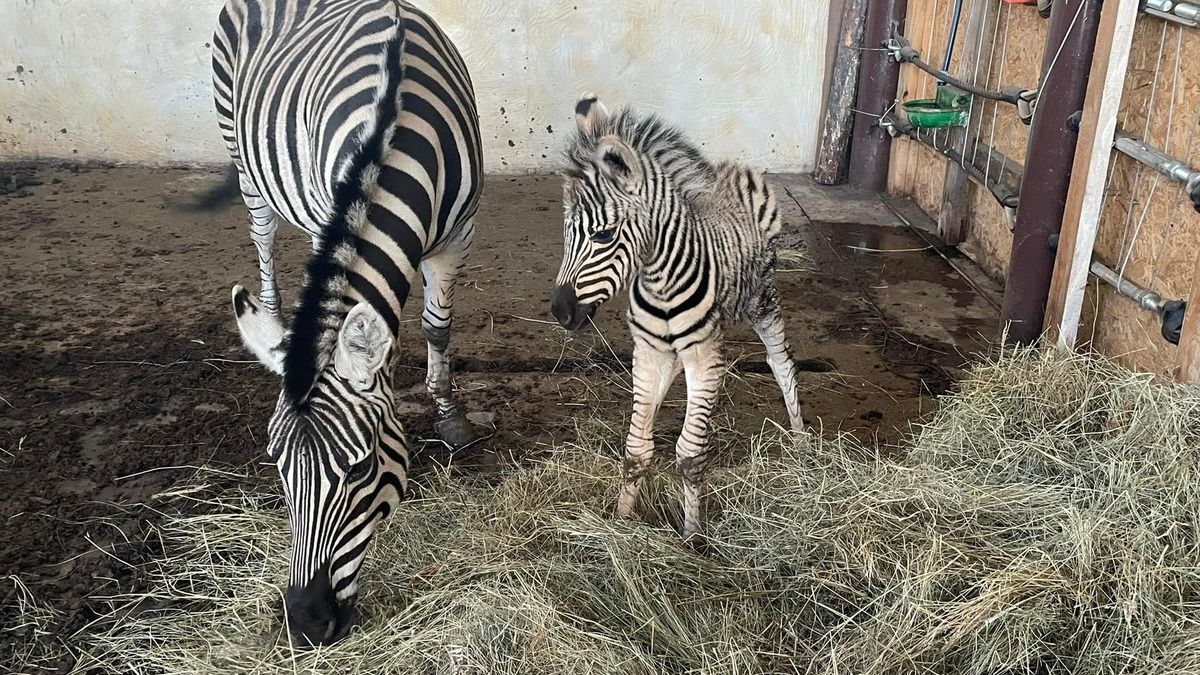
(619, 162)
(261, 331)
(589, 113)
(363, 345)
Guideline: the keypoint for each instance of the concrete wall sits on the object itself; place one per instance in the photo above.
(128, 80)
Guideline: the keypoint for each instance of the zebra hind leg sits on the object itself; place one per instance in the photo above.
(263, 225)
(768, 324)
(440, 273)
(704, 370)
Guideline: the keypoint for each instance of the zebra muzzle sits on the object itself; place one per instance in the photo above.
(567, 310)
(314, 614)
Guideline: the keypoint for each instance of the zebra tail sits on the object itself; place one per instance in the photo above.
(218, 197)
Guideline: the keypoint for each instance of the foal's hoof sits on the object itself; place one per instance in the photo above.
(458, 432)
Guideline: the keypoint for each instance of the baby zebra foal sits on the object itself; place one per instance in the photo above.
(694, 242)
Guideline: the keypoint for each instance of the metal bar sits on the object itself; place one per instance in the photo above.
(954, 18)
(1004, 192)
(1155, 159)
(903, 52)
(1170, 312)
(1174, 169)
(1186, 13)
(1144, 297)
(1066, 65)
(879, 77)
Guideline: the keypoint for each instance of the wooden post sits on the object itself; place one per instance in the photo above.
(1081, 218)
(833, 155)
(955, 211)
(1189, 340)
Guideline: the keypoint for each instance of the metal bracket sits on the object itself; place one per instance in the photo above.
(1172, 320)
(895, 50)
(1027, 105)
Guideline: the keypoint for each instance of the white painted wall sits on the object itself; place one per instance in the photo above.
(128, 80)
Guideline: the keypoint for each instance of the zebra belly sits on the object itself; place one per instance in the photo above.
(675, 333)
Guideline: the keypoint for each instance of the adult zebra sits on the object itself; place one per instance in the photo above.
(695, 243)
(355, 120)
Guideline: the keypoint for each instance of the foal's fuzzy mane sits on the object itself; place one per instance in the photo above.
(651, 137)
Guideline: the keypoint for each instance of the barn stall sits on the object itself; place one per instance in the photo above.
(1041, 506)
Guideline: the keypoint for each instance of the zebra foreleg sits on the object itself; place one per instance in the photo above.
(441, 273)
(653, 372)
(263, 225)
(769, 326)
(703, 368)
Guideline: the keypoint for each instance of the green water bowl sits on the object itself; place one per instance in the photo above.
(926, 113)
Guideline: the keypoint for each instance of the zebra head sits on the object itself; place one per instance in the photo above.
(605, 217)
(343, 458)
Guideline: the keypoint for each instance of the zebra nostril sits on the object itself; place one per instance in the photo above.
(329, 630)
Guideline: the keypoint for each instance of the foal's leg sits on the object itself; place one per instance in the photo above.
(653, 372)
(768, 323)
(704, 370)
(441, 272)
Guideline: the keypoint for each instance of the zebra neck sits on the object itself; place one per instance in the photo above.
(677, 255)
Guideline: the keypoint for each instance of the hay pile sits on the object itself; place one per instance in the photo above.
(1046, 520)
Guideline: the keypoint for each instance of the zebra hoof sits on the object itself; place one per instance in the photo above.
(457, 432)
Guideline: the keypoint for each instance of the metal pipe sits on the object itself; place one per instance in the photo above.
(1186, 13)
(879, 76)
(901, 50)
(1154, 158)
(954, 17)
(1163, 163)
(1144, 297)
(1170, 312)
(1005, 194)
(1066, 66)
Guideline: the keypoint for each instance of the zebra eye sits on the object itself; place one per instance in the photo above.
(603, 236)
(359, 471)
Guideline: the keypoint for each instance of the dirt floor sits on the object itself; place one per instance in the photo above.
(121, 369)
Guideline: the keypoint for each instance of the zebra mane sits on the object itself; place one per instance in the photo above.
(653, 138)
(322, 306)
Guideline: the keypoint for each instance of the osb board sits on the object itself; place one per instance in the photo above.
(1148, 229)
(1010, 54)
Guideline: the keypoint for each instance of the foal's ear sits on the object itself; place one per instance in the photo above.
(619, 162)
(590, 113)
(261, 331)
(363, 345)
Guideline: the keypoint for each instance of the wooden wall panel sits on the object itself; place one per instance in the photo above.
(1147, 228)
(1012, 53)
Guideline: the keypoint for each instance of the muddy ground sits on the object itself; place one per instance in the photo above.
(120, 366)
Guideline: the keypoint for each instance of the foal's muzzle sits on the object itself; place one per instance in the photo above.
(567, 310)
